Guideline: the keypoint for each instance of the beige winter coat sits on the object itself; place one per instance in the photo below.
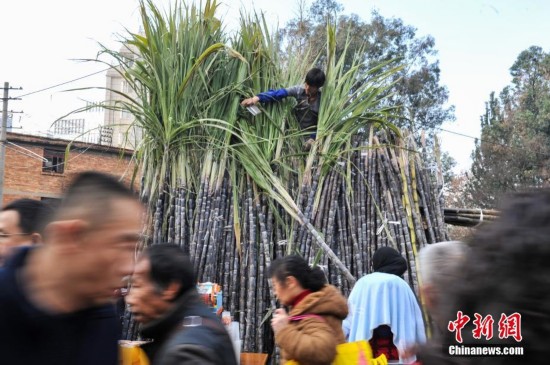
(312, 340)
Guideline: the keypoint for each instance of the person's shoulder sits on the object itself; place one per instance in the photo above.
(330, 289)
(332, 292)
(198, 345)
(3, 274)
(365, 279)
(377, 278)
(8, 281)
(386, 277)
(104, 315)
(295, 90)
(185, 353)
(6, 291)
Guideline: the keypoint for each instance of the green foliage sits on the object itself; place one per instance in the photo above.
(514, 151)
(187, 78)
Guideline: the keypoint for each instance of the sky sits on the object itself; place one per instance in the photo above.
(477, 42)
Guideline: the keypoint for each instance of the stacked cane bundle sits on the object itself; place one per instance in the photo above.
(237, 191)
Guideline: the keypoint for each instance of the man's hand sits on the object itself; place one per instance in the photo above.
(250, 101)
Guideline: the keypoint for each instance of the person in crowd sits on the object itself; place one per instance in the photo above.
(56, 299)
(308, 98)
(383, 309)
(22, 223)
(502, 297)
(440, 265)
(311, 330)
(164, 299)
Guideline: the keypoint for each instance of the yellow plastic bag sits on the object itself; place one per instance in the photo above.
(353, 353)
(131, 354)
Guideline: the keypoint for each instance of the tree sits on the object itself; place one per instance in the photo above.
(416, 88)
(514, 151)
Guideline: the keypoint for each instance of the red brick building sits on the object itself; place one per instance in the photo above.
(36, 167)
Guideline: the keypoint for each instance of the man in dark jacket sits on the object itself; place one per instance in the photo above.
(163, 298)
(308, 101)
(56, 299)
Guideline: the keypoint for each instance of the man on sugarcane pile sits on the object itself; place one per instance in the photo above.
(308, 98)
(56, 299)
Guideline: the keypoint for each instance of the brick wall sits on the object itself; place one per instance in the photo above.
(24, 178)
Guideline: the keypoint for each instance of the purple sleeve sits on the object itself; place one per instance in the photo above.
(272, 95)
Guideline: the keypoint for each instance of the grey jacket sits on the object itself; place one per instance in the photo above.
(306, 114)
(174, 344)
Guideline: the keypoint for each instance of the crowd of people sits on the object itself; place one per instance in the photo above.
(58, 291)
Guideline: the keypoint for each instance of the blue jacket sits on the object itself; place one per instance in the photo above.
(29, 335)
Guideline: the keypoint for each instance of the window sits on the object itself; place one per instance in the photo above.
(126, 87)
(55, 161)
(51, 202)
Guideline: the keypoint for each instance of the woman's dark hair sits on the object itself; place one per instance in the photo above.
(506, 271)
(315, 77)
(293, 265)
(169, 264)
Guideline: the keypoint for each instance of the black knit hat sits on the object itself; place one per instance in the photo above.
(388, 260)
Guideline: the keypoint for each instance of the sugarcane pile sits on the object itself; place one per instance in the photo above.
(237, 191)
(469, 217)
(389, 199)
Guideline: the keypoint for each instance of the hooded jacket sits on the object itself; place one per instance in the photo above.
(312, 338)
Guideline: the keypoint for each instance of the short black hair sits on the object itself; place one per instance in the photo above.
(93, 182)
(169, 264)
(93, 191)
(315, 77)
(311, 278)
(33, 214)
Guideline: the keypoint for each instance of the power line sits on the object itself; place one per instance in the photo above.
(459, 134)
(491, 143)
(63, 83)
(90, 145)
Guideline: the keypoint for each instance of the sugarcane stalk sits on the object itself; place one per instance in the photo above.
(462, 211)
(252, 271)
(326, 249)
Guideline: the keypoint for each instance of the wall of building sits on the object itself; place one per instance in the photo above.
(124, 133)
(24, 176)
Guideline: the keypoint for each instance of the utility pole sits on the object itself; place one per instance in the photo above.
(3, 135)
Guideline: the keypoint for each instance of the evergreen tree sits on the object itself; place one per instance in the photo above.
(514, 151)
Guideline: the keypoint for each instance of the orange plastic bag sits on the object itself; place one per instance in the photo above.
(131, 354)
(353, 353)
